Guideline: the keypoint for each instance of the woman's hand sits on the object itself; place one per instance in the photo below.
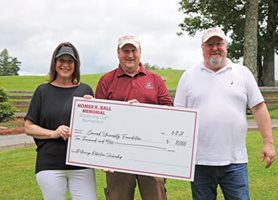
(62, 131)
(87, 96)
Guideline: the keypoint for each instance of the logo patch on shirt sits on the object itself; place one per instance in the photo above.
(148, 86)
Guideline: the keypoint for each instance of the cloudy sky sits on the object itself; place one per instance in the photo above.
(31, 30)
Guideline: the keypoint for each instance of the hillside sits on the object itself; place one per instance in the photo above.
(31, 82)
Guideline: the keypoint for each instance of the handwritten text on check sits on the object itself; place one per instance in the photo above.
(133, 138)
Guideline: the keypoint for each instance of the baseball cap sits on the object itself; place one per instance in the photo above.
(128, 39)
(213, 32)
(65, 50)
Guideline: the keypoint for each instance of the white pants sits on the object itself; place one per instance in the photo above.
(54, 184)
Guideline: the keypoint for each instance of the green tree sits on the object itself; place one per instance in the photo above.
(231, 15)
(154, 67)
(151, 67)
(9, 66)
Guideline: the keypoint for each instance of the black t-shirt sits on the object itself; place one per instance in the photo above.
(50, 107)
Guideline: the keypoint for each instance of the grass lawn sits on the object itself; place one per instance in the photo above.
(171, 76)
(273, 112)
(17, 177)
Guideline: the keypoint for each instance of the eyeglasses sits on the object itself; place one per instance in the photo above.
(218, 44)
(128, 51)
(68, 61)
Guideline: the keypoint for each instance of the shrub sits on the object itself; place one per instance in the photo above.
(6, 109)
(3, 95)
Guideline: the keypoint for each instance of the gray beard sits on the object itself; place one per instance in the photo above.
(215, 62)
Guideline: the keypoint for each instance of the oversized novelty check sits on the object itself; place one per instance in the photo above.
(133, 138)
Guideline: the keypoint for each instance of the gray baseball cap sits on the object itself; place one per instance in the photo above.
(66, 51)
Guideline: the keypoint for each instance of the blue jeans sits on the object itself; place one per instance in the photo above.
(232, 179)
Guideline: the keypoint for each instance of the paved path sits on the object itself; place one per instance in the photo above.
(18, 140)
(252, 125)
(21, 140)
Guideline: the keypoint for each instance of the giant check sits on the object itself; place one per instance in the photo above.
(133, 138)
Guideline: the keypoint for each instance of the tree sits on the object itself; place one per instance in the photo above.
(268, 45)
(150, 67)
(9, 66)
(154, 67)
(231, 15)
(250, 33)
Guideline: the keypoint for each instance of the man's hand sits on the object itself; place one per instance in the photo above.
(268, 154)
(133, 101)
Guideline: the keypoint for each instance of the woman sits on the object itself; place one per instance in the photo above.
(48, 120)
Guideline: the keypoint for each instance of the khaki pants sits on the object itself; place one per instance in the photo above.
(121, 186)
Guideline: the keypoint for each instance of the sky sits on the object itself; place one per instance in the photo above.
(32, 29)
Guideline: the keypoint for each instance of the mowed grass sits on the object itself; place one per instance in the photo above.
(171, 77)
(21, 82)
(17, 178)
(31, 82)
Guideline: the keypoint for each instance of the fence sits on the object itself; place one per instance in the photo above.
(21, 99)
(271, 95)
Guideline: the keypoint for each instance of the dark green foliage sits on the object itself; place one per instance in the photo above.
(3, 95)
(230, 16)
(154, 67)
(151, 67)
(9, 66)
(6, 109)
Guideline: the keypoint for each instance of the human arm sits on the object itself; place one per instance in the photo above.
(263, 120)
(38, 132)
